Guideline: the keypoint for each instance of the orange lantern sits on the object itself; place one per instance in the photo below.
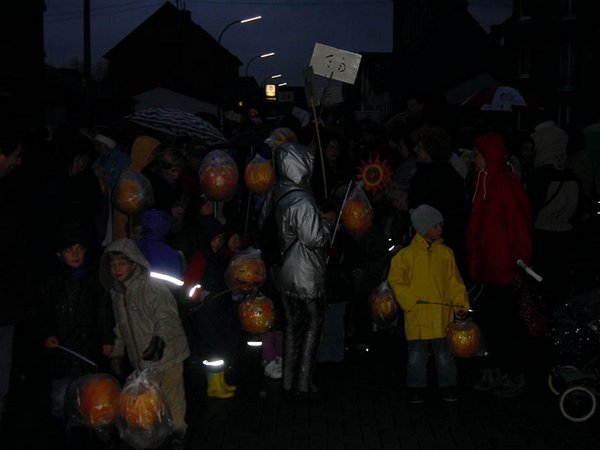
(246, 274)
(257, 314)
(219, 182)
(129, 197)
(259, 176)
(464, 337)
(141, 409)
(357, 217)
(383, 307)
(98, 400)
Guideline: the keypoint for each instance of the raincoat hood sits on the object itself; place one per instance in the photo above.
(141, 152)
(492, 148)
(156, 225)
(294, 163)
(128, 248)
(550, 145)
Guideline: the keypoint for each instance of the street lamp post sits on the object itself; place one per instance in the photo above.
(251, 19)
(266, 55)
(272, 77)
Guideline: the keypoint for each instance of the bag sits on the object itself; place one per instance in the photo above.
(268, 238)
(533, 311)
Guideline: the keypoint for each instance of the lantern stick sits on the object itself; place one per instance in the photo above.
(249, 198)
(337, 222)
(83, 358)
(316, 121)
(451, 305)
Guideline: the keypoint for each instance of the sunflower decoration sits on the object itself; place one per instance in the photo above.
(375, 174)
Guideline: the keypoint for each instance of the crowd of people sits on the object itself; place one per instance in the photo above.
(449, 226)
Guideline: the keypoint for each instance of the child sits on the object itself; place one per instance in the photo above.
(73, 312)
(148, 326)
(426, 270)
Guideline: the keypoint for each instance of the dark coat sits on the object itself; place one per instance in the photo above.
(73, 307)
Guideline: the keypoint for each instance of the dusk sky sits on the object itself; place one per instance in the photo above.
(290, 28)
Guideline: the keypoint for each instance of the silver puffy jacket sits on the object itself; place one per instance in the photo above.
(303, 234)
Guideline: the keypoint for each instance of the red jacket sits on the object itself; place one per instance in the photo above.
(500, 224)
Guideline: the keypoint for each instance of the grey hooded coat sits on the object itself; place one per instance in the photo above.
(143, 308)
(303, 234)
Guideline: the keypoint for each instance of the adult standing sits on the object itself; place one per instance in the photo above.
(12, 260)
(438, 184)
(303, 232)
(498, 234)
(554, 192)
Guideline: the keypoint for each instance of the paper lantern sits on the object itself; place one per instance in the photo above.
(246, 274)
(219, 182)
(98, 400)
(464, 338)
(259, 176)
(142, 409)
(257, 314)
(357, 217)
(384, 307)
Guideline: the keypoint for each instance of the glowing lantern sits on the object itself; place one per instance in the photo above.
(357, 217)
(98, 400)
(464, 337)
(384, 307)
(257, 314)
(142, 409)
(219, 182)
(246, 273)
(133, 192)
(259, 176)
(375, 174)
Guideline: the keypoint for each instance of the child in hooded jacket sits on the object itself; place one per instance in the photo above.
(148, 328)
(429, 289)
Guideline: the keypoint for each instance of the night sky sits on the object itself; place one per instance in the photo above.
(289, 27)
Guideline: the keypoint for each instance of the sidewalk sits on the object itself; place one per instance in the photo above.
(364, 407)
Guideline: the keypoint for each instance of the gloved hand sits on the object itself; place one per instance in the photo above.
(155, 349)
(116, 364)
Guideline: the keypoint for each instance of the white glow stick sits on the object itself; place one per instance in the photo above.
(536, 276)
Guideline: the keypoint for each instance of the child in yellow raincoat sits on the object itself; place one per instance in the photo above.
(421, 274)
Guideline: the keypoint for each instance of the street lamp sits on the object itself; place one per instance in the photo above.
(272, 77)
(282, 84)
(266, 55)
(251, 19)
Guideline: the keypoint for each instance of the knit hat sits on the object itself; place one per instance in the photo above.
(424, 218)
(69, 235)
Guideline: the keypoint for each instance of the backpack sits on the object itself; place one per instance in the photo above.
(268, 237)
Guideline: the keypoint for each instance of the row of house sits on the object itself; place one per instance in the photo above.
(546, 48)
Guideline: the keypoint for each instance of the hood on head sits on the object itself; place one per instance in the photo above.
(492, 148)
(141, 150)
(550, 145)
(294, 163)
(130, 250)
(156, 224)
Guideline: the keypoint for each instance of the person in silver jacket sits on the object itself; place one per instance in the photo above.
(304, 232)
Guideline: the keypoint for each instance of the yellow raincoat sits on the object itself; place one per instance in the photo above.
(429, 273)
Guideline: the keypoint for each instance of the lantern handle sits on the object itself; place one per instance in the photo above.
(83, 358)
(451, 305)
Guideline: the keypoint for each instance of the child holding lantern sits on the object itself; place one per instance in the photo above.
(429, 289)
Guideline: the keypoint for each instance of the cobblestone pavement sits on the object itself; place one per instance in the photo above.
(363, 407)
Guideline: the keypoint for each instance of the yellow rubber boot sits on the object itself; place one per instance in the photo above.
(215, 388)
(224, 385)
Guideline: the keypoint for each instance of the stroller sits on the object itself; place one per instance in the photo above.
(575, 336)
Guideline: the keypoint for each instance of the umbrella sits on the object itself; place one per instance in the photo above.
(177, 123)
(500, 98)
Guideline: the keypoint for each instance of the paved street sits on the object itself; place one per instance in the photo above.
(363, 407)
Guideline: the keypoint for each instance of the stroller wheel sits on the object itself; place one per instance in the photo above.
(578, 403)
(556, 381)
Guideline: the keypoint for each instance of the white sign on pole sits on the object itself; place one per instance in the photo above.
(335, 63)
